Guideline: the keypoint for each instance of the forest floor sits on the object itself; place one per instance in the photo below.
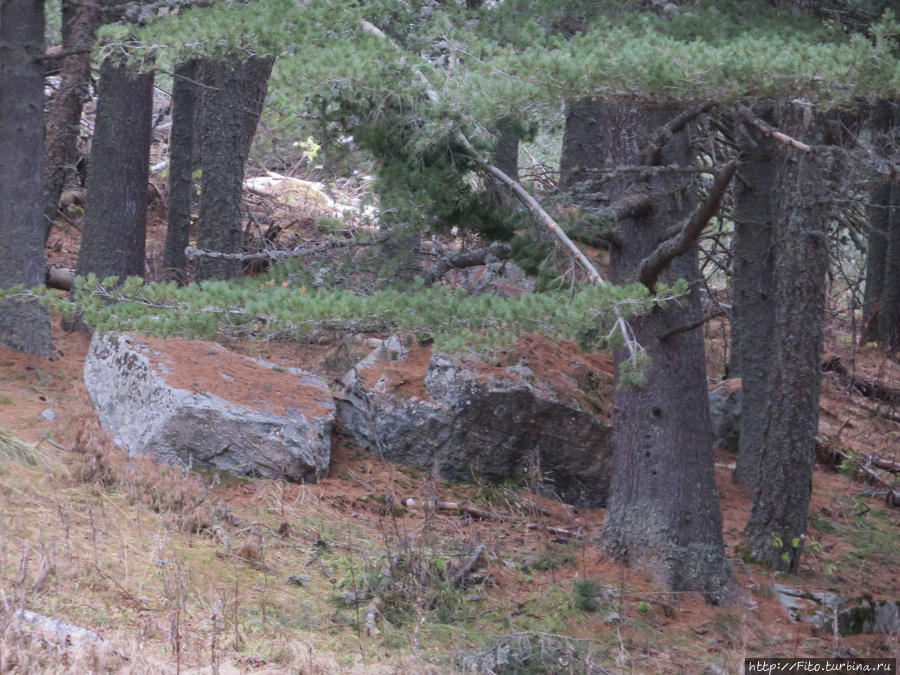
(187, 573)
(204, 573)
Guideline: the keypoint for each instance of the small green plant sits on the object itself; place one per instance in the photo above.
(587, 593)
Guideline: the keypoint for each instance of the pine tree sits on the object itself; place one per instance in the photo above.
(23, 325)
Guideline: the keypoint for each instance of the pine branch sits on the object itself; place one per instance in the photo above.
(653, 265)
(532, 204)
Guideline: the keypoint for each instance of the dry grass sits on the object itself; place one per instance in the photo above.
(199, 572)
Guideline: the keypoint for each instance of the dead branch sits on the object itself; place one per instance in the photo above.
(193, 253)
(499, 250)
(751, 119)
(684, 328)
(893, 498)
(460, 575)
(466, 509)
(653, 151)
(653, 265)
(556, 531)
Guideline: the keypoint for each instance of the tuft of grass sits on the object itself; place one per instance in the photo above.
(14, 450)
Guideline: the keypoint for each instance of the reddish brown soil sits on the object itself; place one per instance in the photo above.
(201, 366)
(755, 624)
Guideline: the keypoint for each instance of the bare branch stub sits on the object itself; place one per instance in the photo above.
(653, 264)
(751, 119)
(653, 152)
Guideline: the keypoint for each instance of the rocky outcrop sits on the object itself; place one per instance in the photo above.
(195, 402)
(854, 616)
(725, 401)
(462, 420)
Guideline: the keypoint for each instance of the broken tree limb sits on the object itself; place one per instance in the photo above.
(653, 152)
(684, 328)
(653, 265)
(751, 119)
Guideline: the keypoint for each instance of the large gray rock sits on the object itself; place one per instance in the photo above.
(196, 402)
(460, 421)
(855, 616)
(725, 401)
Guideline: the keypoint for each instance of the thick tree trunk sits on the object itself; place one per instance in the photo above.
(753, 311)
(24, 326)
(185, 94)
(115, 220)
(232, 102)
(64, 116)
(777, 522)
(663, 512)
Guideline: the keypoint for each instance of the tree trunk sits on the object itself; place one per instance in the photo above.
(64, 116)
(881, 319)
(232, 102)
(663, 513)
(777, 522)
(583, 132)
(24, 326)
(185, 94)
(115, 220)
(888, 333)
(753, 311)
(506, 158)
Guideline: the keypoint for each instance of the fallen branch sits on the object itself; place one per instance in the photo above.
(193, 253)
(751, 119)
(473, 511)
(893, 495)
(653, 265)
(459, 577)
(556, 531)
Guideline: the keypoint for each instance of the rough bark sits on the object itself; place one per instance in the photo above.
(880, 317)
(777, 522)
(80, 24)
(752, 292)
(233, 97)
(584, 131)
(23, 326)
(506, 158)
(185, 94)
(115, 220)
(663, 512)
(888, 331)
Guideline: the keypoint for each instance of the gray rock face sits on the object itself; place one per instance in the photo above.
(725, 402)
(196, 402)
(854, 616)
(461, 422)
